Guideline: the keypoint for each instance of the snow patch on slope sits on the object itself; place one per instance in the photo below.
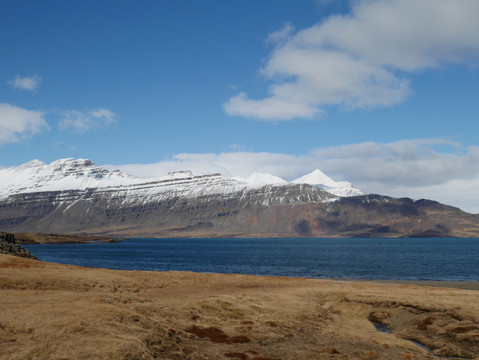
(261, 179)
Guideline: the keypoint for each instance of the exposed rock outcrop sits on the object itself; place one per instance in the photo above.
(9, 246)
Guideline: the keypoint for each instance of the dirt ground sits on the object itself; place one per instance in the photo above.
(51, 311)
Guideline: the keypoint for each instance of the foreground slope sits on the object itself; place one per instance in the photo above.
(75, 196)
(51, 311)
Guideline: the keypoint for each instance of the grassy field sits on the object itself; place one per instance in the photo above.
(51, 311)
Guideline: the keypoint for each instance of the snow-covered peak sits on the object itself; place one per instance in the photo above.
(324, 182)
(63, 174)
(70, 162)
(316, 177)
(261, 179)
(33, 164)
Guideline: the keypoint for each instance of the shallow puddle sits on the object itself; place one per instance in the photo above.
(381, 327)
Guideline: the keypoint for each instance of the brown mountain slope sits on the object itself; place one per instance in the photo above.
(289, 211)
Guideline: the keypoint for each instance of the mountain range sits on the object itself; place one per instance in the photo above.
(76, 196)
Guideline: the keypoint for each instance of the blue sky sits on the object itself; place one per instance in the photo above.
(382, 93)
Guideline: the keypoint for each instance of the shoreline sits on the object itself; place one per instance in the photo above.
(39, 238)
(453, 284)
(46, 238)
(68, 238)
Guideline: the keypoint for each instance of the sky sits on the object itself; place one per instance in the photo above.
(384, 94)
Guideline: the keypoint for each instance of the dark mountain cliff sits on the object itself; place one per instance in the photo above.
(270, 211)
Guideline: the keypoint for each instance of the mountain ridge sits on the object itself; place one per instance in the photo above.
(182, 204)
(81, 174)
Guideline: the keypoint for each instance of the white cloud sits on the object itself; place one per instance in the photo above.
(281, 35)
(462, 193)
(229, 164)
(270, 108)
(26, 83)
(104, 115)
(80, 122)
(17, 123)
(412, 168)
(360, 60)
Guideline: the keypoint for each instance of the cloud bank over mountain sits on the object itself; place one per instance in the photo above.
(438, 169)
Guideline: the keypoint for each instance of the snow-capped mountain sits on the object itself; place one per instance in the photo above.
(67, 182)
(81, 174)
(76, 196)
(324, 182)
(70, 195)
(64, 174)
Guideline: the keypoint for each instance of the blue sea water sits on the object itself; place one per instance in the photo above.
(448, 259)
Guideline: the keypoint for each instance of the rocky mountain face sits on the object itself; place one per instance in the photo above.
(75, 196)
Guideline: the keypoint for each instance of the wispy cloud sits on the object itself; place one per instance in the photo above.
(282, 35)
(237, 147)
(26, 83)
(414, 168)
(81, 121)
(362, 60)
(105, 115)
(17, 123)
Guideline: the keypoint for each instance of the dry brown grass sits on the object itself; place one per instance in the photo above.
(50, 311)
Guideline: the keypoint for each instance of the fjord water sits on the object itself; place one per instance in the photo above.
(448, 259)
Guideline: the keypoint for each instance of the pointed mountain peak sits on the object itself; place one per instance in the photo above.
(324, 182)
(316, 177)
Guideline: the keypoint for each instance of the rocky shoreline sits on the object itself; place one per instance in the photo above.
(9, 246)
(10, 243)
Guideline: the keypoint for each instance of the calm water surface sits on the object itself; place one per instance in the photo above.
(405, 259)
